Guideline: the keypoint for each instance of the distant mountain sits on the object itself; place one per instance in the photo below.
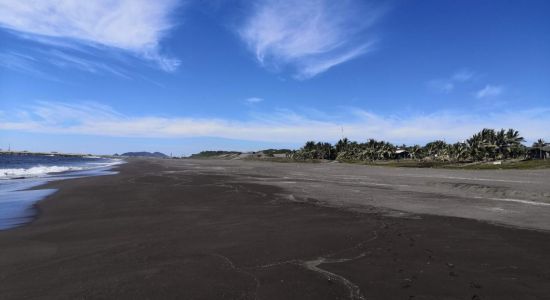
(145, 154)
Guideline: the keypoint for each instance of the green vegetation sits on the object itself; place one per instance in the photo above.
(210, 154)
(487, 149)
(272, 152)
(500, 165)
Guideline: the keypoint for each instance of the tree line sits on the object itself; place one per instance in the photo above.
(486, 145)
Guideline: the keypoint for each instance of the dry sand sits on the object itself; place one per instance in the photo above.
(165, 229)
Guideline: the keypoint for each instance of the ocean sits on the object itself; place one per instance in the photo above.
(21, 172)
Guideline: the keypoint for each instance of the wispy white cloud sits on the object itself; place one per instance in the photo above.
(282, 126)
(31, 63)
(65, 60)
(17, 61)
(135, 26)
(23, 63)
(311, 36)
(447, 85)
(489, 91)
(463, 75)
(254, 100)
(311, 68)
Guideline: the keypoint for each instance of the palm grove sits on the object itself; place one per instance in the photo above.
(486, 145)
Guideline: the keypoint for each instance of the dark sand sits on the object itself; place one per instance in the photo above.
(159, 230)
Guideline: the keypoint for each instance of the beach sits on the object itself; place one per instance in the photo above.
(213, 229)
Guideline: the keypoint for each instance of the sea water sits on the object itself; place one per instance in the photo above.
(21, 172)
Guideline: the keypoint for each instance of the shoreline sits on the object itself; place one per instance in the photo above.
(26, 192)
(160, 229)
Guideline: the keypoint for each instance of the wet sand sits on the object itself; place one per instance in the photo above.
(245, 230)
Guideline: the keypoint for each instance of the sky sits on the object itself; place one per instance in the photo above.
(181, 76)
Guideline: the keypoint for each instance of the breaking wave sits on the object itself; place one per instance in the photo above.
(38, 171)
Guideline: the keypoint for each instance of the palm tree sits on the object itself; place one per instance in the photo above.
(415, 151)
(501, 146)
(458, 151)
(435, 149)
(309, 146)
(539, 144)
(488, 142)
(324, 150)
(386, 151)
(342, 145)
(514, 140)
(474, 144)
(513, 137)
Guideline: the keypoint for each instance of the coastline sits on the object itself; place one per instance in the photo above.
(167, 229)
(19, 195)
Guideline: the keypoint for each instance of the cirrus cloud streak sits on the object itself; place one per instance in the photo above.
(135, 26)
(310, 36)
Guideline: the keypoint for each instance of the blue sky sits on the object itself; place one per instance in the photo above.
(183, 76)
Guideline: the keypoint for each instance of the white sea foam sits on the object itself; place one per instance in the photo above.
(35, 171)
(40, 170)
